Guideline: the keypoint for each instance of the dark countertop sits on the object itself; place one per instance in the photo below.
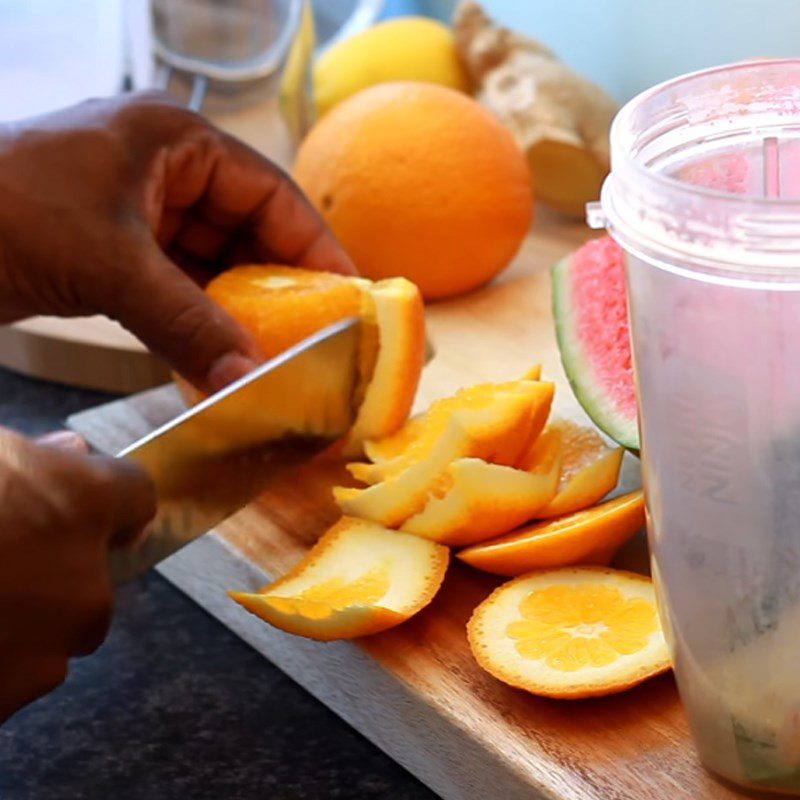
(173, 705)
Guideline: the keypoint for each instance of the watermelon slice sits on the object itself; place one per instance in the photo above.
(591, 313)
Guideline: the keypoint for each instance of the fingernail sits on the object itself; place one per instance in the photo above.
(227, 369)
(64, 440)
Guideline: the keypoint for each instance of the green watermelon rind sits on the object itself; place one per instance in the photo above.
(594, 401)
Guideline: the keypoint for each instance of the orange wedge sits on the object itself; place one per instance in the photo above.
(585, 537)
(475, 500)
(571, 633)
(589, 469)
(282, 305)
(491, 431)
(497, 443)
(357, 580)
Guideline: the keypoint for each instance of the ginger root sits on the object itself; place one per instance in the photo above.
(559, 118)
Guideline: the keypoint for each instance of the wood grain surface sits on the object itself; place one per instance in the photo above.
(415, 690)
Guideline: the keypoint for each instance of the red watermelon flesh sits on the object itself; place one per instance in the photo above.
(591, 311)
(590, 308)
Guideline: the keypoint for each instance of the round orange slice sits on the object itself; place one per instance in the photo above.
(589, 468)
(357, 580)
(283, 305)
(585, 537)
(571, 633)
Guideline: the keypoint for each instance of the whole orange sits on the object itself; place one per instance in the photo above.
(421, 181)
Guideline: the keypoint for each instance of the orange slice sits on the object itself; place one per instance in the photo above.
(589, 469)
(282, 305)
(488, 429)
(585, 537)
(500, 446)
(475, 500)
(357, 580)
(571, 633)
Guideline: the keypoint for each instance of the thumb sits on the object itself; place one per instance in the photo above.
(172, 315)
(64, 440)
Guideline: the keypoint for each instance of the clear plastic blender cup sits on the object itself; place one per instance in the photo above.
(704, 196)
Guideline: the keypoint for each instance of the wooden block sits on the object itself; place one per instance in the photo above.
(416, 691)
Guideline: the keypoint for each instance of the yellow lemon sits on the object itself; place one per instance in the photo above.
(406, 48)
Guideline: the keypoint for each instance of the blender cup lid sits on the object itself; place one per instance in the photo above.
(706, 172)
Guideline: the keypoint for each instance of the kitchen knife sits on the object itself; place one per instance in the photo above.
(214, 458)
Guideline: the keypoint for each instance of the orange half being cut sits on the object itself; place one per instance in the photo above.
(283, 305)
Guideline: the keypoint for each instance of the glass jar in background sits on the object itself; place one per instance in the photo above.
(244, 63)
(225, 56)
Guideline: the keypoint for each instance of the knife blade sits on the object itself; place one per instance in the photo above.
(217, 456)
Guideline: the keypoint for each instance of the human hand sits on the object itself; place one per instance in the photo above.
(60, 513)
(113, 206)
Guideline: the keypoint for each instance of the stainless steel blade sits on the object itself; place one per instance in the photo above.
(213, 459)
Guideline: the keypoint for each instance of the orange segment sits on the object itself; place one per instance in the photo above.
(282, 305)
(571, 633)
(477, 500)
(589, 469)
(493, 429)
(585, 537)
(357, 580)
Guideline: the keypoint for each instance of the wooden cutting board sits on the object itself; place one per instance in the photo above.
(415, 691)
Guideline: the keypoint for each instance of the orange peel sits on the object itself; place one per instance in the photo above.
(589, 469)
(590, 536)
(488, 429)
(357, 580)
(494, 442)
(390, 447)
(477, 500)
(399, 317)
(571, 633)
